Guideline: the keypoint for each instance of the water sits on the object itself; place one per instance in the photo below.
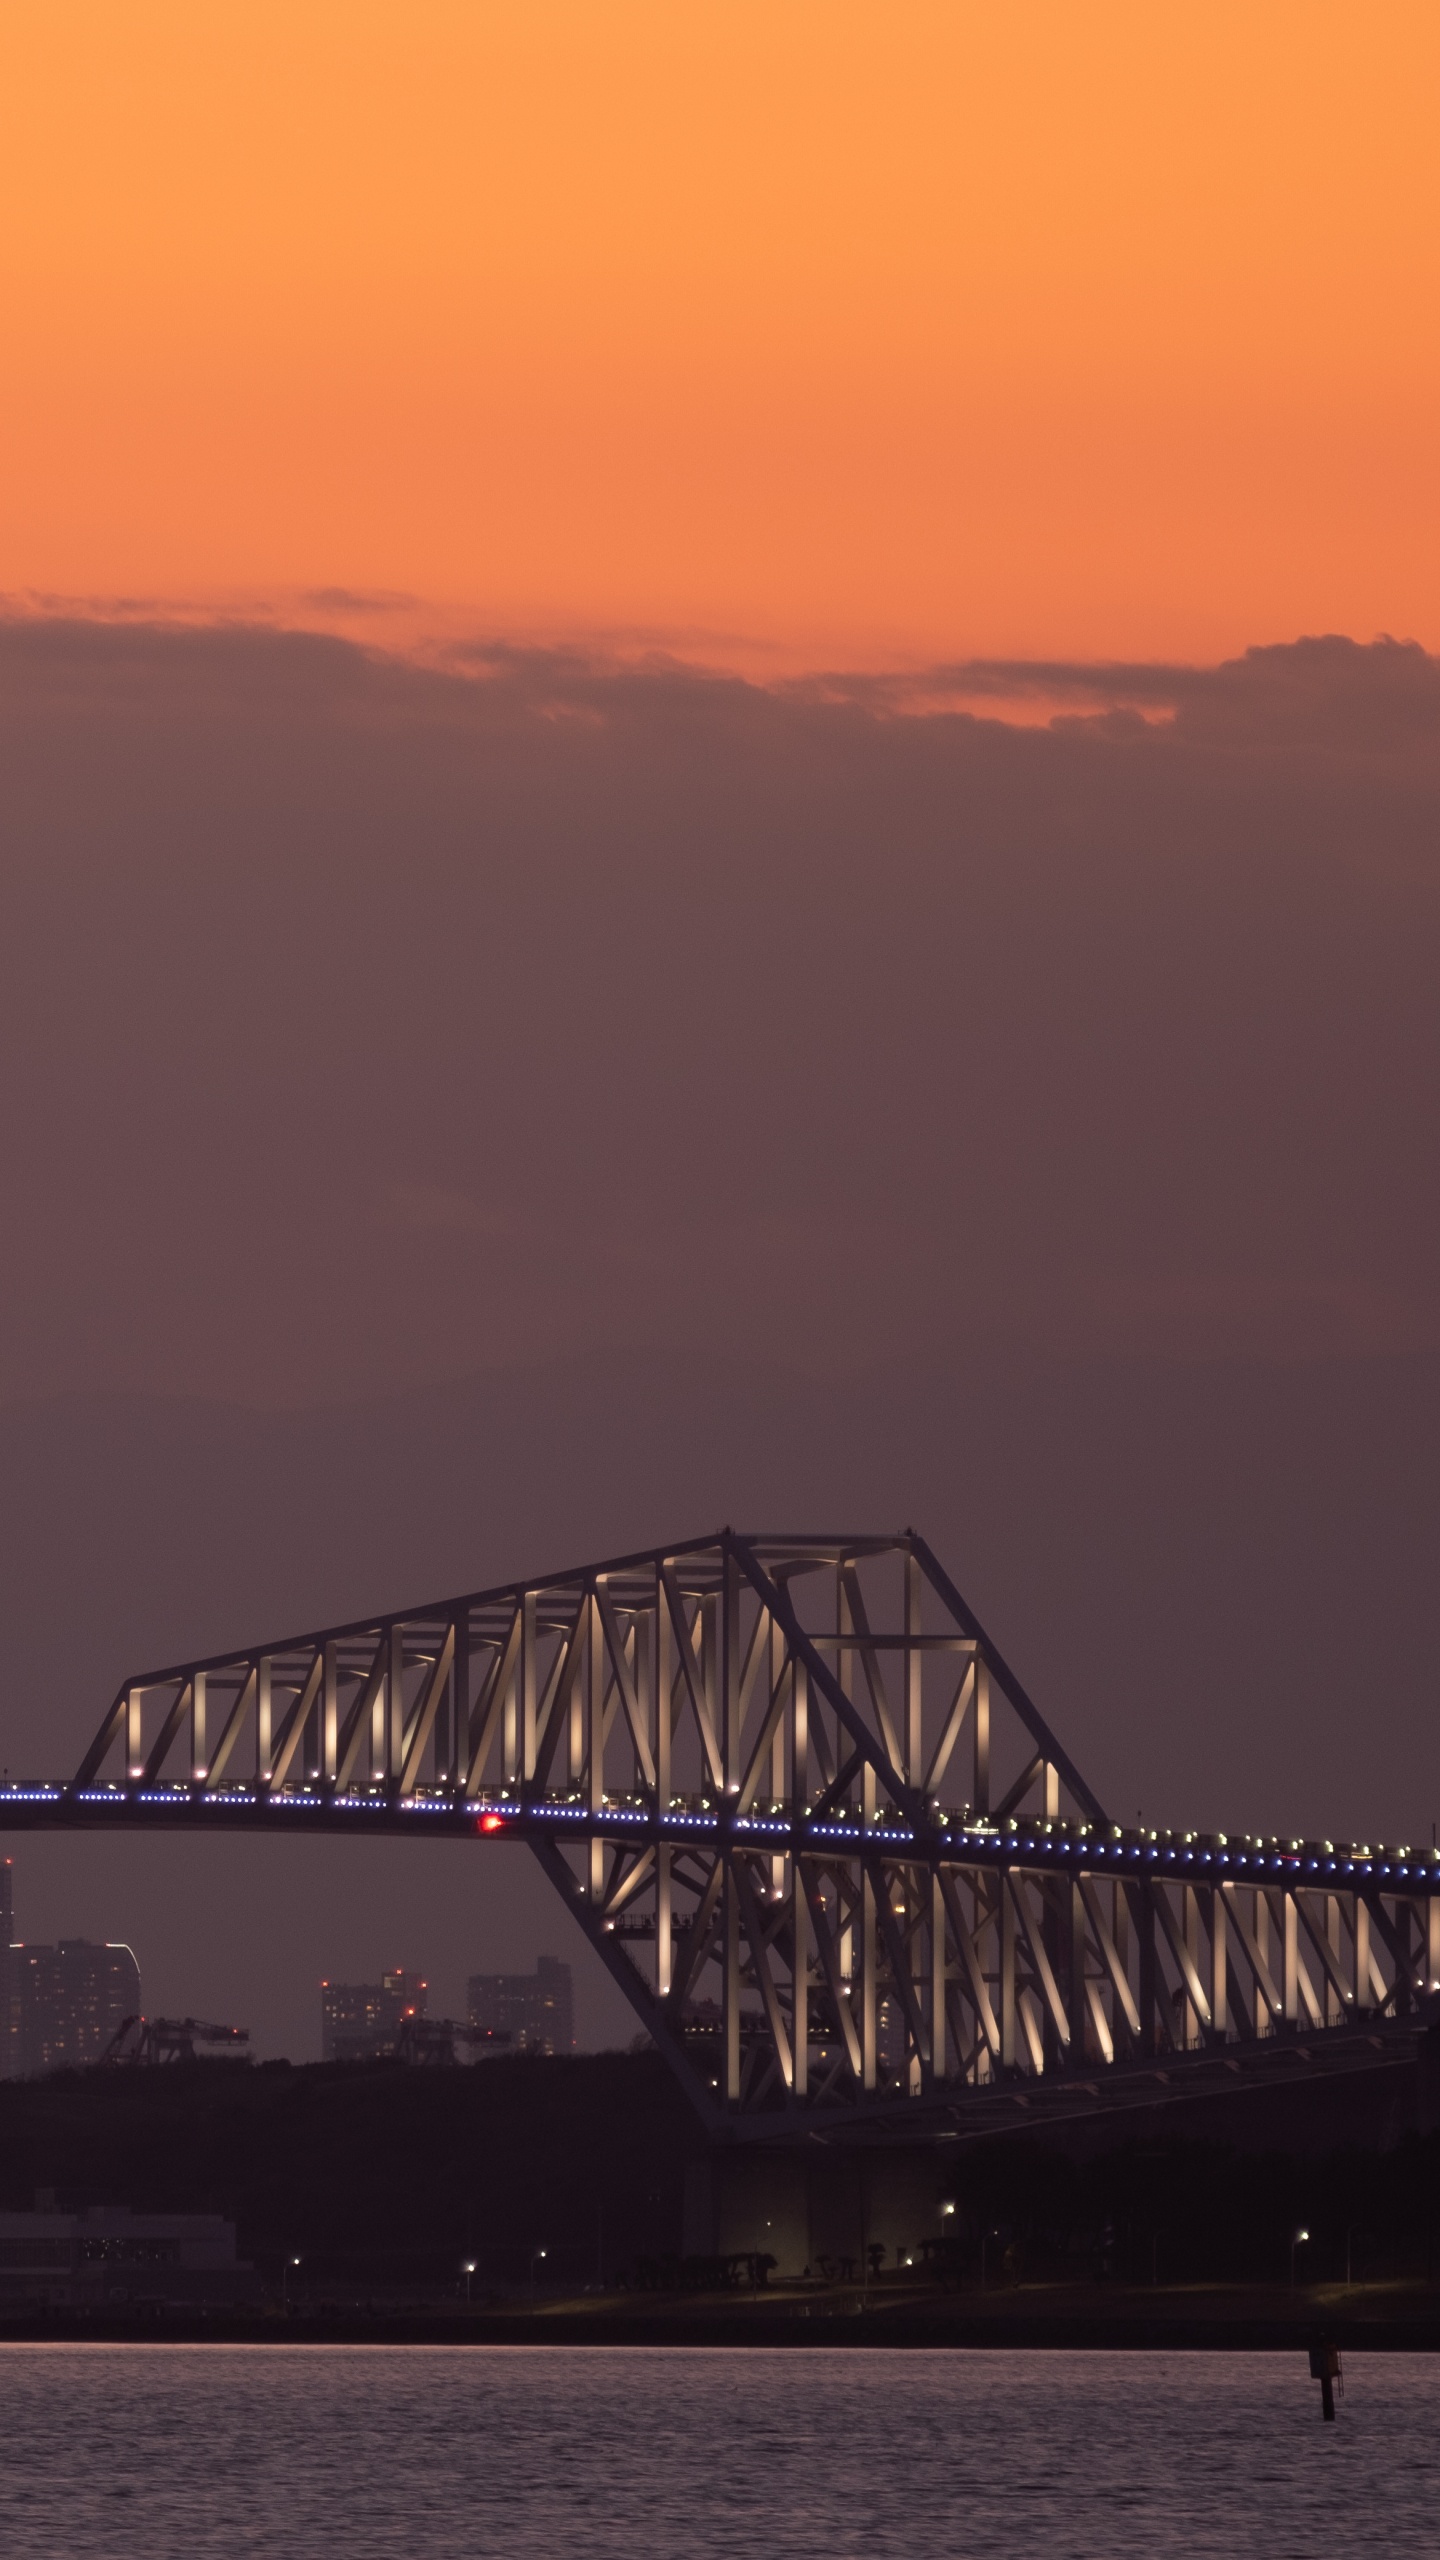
(360, 2453)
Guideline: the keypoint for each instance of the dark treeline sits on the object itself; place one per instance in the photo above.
(1184, 2212)
(375, 2174)
(379, 2176)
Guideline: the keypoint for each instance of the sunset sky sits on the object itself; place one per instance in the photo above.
(816, 332)
(705, 814)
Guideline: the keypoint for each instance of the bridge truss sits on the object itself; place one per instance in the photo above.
(804, 1812)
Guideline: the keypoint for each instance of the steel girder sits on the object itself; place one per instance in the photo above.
(803, 1810)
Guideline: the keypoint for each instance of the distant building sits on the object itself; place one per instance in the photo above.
(67, 2001)
(535, 2010)
(112, 2255)
(360, 2021)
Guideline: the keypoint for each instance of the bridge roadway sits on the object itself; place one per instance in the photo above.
(811, 1822)
(1044, 1848)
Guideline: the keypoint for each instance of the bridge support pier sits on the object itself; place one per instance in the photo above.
(816, 2210)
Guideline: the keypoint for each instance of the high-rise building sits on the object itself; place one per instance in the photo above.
(68, 2001)
(360, 2021)
(535, 2010)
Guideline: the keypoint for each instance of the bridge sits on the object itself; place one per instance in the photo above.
(811, 1822)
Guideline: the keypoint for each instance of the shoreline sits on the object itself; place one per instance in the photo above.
(1379, 2319)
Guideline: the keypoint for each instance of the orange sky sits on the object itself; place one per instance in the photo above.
(793, 332)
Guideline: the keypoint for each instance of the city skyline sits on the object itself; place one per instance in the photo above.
(62, 2004)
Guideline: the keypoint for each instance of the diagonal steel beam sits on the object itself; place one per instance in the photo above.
(354, 1733)
(835, 1983)
(654, 2015)
(966, 1949)
(1195, 1990)
(1265, 1982)
(1329, 1961)
(292, 1730)
(760, 1959)
(951, 1730)
(230, 1731)
(782, 1608)
(160, 1748)
(859, 1631)
(690, 1669)
(426, 1709)
(694, 1939)
(626, 1882)
(773, 1718)
(1024, 1705)
(898, 1953)
(473, 1747)
(1119, 1979)
(554, 1703)
(1040, 1964)
(1018, 1787)
(625, 1683)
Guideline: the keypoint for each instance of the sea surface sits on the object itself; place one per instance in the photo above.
(577, 2454)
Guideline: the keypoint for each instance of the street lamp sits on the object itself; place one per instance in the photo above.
(1298, 2240)
(535, 2257)
(467, 2269)
(285, 2282)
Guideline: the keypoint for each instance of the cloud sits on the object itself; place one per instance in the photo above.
(356, 599)
(367, 1021)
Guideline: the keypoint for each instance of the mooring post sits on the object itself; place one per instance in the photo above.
(1325, 2369)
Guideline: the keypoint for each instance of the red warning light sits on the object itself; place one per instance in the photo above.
(492, 1822)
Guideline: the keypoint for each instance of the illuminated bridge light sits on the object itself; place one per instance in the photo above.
(411, 1687)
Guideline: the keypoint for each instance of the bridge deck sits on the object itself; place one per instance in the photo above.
(806, 1814)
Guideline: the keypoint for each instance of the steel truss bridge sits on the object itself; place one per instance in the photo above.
(809, 1819)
